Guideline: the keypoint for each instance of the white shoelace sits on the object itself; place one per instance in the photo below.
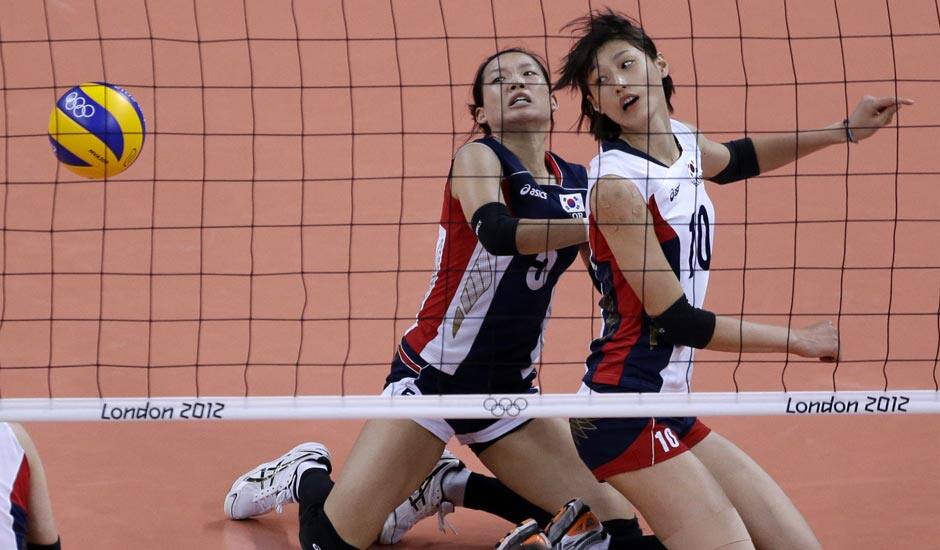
(445, 508)
(281, 497)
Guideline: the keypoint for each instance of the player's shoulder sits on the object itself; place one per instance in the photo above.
(618, 199)
(475, 148)
(477, 157)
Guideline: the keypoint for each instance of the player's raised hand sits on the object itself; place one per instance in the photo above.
(872, 113)
(820, 340)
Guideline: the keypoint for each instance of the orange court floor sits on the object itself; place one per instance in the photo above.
(861, 482)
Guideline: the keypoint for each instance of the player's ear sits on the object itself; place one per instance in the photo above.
(593, 103)
(480, 116)
(554, 102)
(662, 65)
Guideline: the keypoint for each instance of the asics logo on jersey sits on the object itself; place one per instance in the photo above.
(78, 106)
(673, 193)
(527, 189)
(505, 406)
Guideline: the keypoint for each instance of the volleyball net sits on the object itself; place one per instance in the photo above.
(274, 240)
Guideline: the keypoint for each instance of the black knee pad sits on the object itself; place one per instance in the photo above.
(317, 533)
(623, 528)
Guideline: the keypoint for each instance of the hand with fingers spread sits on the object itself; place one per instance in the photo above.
(873, 113)
(820, 340)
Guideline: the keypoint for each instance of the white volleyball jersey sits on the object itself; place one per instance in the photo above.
(684, 221)
(14, 490)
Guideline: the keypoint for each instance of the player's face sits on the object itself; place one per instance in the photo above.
(626, 85)
(516, 95)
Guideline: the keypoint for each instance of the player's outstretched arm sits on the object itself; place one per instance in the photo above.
(775, 150)
(476, 182)
(736, 335)
(625, 222)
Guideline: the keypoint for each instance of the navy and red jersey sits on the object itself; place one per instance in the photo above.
(483, 318)
(624, 357)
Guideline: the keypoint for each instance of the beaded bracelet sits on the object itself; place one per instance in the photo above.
(849, 134)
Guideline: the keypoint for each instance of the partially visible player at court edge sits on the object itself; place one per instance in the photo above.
(26, 521)
(512, 222)
(651, 229)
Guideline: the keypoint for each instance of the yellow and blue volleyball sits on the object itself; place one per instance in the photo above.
(97, 130)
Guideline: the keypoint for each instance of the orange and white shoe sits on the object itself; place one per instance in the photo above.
(575, 527)
(526, 536)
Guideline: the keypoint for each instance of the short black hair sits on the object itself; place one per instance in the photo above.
(478, 82)
(596, 29)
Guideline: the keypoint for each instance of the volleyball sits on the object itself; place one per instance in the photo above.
(96, 130)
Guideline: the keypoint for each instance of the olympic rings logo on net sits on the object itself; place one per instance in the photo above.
(505, 406)
(78, 106)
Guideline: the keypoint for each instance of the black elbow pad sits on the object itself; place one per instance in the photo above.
(57, 545)
(742, 164)
(496, 229)
(684, 325)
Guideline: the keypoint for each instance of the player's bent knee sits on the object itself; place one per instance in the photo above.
(607, 503)
(711, 530)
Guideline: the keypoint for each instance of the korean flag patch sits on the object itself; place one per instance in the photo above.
(572, 202)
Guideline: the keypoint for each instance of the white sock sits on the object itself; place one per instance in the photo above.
(454, 485)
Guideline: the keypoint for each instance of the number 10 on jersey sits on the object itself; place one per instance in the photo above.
(700, 245)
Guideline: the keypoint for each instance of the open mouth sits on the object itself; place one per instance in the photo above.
(522, 99)
(629, 101)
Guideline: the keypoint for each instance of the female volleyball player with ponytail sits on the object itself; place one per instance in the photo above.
(651, 229)
(512, 222)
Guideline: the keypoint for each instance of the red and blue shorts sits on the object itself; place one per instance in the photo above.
(611, 446)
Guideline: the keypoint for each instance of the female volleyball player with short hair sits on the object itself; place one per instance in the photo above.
(651, 229)
(512, 222)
